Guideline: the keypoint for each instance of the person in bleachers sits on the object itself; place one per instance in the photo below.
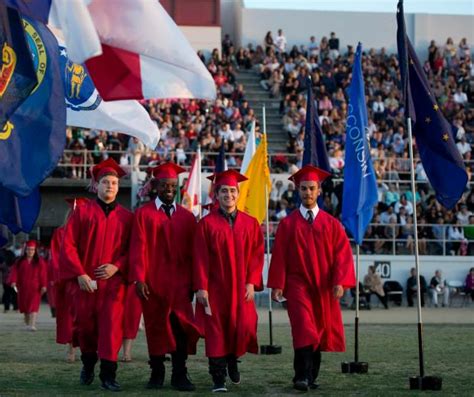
(438, 286)
(412, 287)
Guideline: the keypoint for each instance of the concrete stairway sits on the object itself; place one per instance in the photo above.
(257, 97)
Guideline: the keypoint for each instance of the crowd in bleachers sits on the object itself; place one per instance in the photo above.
(284, 73)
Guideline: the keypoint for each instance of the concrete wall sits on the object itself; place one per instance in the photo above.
(372, 29)
(204, 38)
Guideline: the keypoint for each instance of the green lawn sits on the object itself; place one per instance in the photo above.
(32, 364)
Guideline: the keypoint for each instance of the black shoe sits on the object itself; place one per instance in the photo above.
(219, 388)
(301, 384)
(234, 374)
(314, 386)
(87, 377)
(182, 382)
(154, 383)
(110, 385)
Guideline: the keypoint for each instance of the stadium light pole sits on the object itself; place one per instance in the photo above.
(271, 348)
(421, 382)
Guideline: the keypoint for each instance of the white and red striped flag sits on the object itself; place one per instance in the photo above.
(144, 54)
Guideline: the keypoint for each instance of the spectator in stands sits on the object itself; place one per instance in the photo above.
(438, 287)
(373, 283)
(333, 46)
(280, 42)
(469, 235)
(469, 284)
(455, 238)
(412, 287)
(268, 42)
(463, 215)
(135, 149)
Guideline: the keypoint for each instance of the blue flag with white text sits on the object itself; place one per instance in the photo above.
(360, 185)
(32, 141)
(441, 159)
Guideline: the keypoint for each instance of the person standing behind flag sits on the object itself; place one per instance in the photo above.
(228, 263)
(311, 266)
(94, 252)
(28, 275)
(62, 288)
(162, 276)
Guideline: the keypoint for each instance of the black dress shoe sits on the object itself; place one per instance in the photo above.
(110, 385)
(182, 382)
(154, 384)
(314, 385)
(301, 384)
(87, 377)
(234, 373)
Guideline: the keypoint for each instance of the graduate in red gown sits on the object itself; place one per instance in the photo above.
(311, 266)
(62, 288)
(29, 277)
(161, 268)
(95, 254)
(228, 263)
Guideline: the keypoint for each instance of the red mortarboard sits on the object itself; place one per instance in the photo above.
(309, 173)
(167, 171)
(76, 201)
(228, 178)
(31, 244)
(107, 167)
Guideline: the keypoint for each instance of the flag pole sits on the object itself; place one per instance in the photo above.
(271, 348)
(417, 257)
(199, 182)
(356, 328)
(134, 184)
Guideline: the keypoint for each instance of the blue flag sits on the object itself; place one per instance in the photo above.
(314, 147)
(221, 165)
(360, 187)
(3, 235)
(18, 213)
(33, 139)
(441, 159)
(18, 75)
(34, 9)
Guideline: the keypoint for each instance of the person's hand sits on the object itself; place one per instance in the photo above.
(338, 292)
(85, 283)
(105, 271)
(43, 290)
(142, 289)
(202, 297)
(249, 292)
(277, 294)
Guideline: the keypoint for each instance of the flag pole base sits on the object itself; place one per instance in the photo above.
(354, 367)
(270, 349)
(426, 382)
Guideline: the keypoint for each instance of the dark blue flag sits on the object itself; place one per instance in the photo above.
(33, 139)
(3, 235)
(220, 160)
(17, 75)
(441, 159)
(18, 213)
(314, 147)
(360, 186)
(34, 9)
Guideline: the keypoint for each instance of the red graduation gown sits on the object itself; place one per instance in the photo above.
(52, 276)
(225, 260)
(91, 239)
(161, 256)
(29, 277)
(307, 262)
(62, 289)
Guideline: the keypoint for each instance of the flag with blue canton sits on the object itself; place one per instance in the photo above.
(33, 139)
(314, 147)
(37, 9)
(17, 75)
(18, 213)
(360, 186)
(441, 159)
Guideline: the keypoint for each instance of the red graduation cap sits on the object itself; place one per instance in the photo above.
(167, 171)
(309, 173)
(31, 244)
(107, 167)
(76, 201)
(228, 178)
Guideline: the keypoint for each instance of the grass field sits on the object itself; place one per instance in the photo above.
(32, 364)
